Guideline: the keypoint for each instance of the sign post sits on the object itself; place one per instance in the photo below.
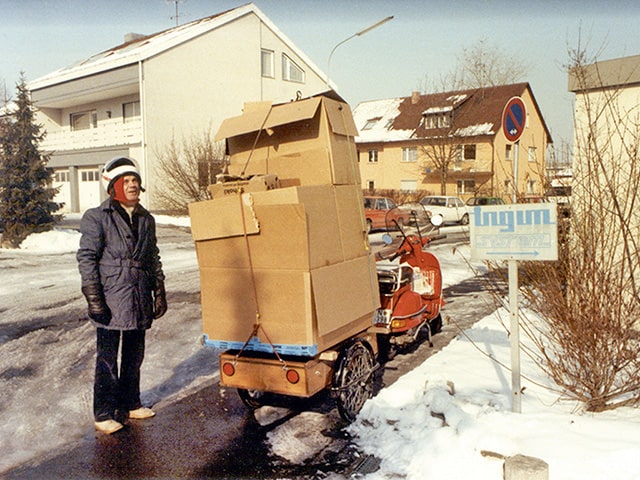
(514, 232)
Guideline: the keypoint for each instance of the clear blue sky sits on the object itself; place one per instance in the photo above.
(424, 40)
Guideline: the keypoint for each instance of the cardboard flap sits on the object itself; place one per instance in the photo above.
(344, 292)
(223, 217)
(252, 119)
(293, 112)
(340, 118)
(263, 115)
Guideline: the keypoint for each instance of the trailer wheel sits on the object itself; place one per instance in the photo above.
(352, 382)
(251, 398)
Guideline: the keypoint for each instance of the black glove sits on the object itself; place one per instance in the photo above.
(159, 301)
(98, 309)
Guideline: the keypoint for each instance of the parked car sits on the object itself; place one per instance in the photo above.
(479, 201)
(375, 211)
(452, 209)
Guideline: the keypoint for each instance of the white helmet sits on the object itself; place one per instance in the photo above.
(116, 167)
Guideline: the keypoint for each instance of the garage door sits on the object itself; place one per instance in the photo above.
(61, 182)
(89, 188)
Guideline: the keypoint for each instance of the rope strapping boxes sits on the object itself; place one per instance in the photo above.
(292, 254)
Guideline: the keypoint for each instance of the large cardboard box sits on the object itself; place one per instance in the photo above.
(309, 141)
(295, 228)
(303, 311)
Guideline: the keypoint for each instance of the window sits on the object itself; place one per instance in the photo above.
(267, 58)
(371, 123)
(507, 152)
(83, 120)
(291, 71)
(531, 187)
(373, 156)
(90, 176)
(531, 154)
(469, 152)
(507, 187)
(437, 120)
(410, 154)
(409, 185)
(371, 184)
(130, 111)
(466, 186)
(61, 176)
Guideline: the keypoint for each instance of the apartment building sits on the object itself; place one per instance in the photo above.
(137, 97)
(452, 141)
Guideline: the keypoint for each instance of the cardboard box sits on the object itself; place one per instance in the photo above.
(311, 141)
(309, 310)
(257, 183)
(223, 217)
(295, 228)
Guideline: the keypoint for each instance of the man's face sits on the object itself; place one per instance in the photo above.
(131, 187)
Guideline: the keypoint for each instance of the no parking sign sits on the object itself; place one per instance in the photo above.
(514, 119)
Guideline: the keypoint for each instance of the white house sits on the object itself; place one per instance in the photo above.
(135, 98)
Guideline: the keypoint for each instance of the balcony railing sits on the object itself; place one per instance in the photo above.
(106, 134)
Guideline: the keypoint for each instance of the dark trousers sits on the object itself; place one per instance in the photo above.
(117, 391)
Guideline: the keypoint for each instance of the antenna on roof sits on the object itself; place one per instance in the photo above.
(177, 14)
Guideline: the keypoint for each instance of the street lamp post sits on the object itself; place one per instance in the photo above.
(358, 34)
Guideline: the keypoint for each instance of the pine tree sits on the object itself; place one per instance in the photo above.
(26, 194)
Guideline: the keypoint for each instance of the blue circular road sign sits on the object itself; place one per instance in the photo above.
(514, 119)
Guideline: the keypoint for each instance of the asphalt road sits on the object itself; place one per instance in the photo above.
(209, 433)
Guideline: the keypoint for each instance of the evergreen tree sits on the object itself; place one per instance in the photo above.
(26, 194)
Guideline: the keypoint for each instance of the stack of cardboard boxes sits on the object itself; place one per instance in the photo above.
(289, 255)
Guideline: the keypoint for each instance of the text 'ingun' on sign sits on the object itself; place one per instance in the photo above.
(508, 220)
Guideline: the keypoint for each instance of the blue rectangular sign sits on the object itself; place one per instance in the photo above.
(514, 232)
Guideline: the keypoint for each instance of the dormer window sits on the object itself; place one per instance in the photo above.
(437, 117)
(371, 123)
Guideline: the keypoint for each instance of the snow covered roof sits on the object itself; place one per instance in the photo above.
(141, 47)
(475, 112)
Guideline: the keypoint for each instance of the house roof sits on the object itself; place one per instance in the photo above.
(142, 47)
(477, 112)
(617, 72)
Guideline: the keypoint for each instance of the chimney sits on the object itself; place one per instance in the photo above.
(415, 97)
(132, 37)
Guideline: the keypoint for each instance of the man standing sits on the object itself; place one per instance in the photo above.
(123, 283)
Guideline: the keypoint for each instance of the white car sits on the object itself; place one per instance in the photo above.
(452, 209)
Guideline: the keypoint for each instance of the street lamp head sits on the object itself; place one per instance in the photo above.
(358, 34)
(375, 25)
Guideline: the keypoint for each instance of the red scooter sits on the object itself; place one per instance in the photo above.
(409, 279)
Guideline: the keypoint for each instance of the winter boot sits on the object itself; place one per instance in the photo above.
(108, 426)
(141, 413)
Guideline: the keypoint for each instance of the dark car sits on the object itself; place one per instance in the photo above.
(479, 201)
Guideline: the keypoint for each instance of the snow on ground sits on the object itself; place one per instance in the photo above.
(434, 422)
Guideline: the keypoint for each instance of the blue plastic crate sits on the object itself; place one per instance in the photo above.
(256, 345)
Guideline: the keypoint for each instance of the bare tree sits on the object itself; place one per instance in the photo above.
(187, 169)
(441, 153)
(484, 65)
(589, 300)
(480, 65)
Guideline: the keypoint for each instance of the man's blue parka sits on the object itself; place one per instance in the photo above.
(127, 265)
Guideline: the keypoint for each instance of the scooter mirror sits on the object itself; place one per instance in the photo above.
(436, 220)
(387, 239)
